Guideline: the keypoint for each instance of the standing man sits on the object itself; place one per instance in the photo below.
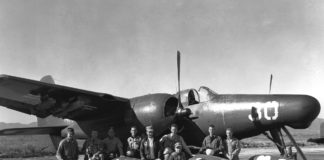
(68, 147)
(168, 141)
(92, 147)
(134, 142)
(212, 144)
(232, 146)
(149, 149)
(112, 145)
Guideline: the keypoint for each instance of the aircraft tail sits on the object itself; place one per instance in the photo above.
(51, 128)
(53, 122)
(47, 79)
(50, 120)
(319, 140)
(54, 125)
(322, 130)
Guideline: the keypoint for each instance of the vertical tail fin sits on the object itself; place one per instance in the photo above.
(48, 79)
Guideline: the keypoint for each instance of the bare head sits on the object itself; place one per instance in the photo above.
(149, 131)
(70, 133)
(111, 132)
(94, 134)
(174, 129)
(211, 130)
(133, 131)
(229, 133)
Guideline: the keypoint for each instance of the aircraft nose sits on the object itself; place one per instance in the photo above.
(303, 109)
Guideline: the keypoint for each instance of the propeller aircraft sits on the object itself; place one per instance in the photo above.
(58, 107)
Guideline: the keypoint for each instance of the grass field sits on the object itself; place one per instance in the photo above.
(25, 146)
(312, 153)
(40, 145)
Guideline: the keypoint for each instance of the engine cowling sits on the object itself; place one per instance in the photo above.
(157, 110)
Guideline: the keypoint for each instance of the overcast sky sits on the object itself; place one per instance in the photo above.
(128, 48)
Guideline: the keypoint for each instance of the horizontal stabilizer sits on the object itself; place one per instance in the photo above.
(55, 130)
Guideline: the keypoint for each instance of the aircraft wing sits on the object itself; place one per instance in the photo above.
(44, 99)
(56, 130)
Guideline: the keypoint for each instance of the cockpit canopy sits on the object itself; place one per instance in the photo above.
(206, 94)
(192, 96)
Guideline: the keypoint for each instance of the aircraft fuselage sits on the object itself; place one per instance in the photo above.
(247, 115)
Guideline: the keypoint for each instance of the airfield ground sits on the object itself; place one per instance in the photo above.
(36, 145)
(312, 153)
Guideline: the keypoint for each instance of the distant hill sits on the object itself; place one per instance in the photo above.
(4, 125)
(313, 129)
(300, 135)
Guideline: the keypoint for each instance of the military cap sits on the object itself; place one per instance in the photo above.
(177, 145)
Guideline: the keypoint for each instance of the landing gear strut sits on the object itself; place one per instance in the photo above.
(294, 142)
(277, 138)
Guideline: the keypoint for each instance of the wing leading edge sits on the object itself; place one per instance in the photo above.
(54, 130)
(44, 99)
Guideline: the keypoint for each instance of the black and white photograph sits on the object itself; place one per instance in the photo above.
(161, 80)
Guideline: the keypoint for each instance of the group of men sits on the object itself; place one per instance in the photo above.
(170, 147)
(228, 148)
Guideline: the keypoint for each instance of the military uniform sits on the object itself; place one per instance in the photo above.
(212, 142)
(177, 156)
(68, 150)
(91, 147)
(232, 147)
(149, 149)
(113, 147)
(134, 145)
(168, 141)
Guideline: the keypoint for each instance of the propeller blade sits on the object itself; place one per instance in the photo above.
(270, 86)
(294, 142)
(186, 128)
(181, 111)
(164, 125)
(178, 69)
